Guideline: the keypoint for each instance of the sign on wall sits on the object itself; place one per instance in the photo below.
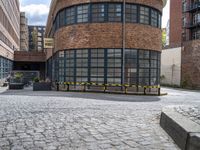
(48, 43)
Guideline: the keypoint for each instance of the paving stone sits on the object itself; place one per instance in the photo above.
(71, 121)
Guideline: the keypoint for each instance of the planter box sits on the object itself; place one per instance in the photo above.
(42, 86)
(16, 86)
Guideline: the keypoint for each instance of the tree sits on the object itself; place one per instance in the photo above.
(164, 35)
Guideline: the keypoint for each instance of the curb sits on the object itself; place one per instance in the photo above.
(182, 130)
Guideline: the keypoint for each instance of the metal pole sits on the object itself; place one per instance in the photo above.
(52, 67)
(124, 39)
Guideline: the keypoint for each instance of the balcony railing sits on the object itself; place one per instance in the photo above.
(192, 25)
(192, 7)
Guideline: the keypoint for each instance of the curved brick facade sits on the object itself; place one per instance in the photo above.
(57, 5)
(108, 35)
(105, 51)
(105, 35)
(158, 4)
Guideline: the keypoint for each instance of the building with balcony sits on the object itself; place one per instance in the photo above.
(108, 42)
(36, 38)
(9, 35)
(185, 40)
(24, 35)
(191, 44)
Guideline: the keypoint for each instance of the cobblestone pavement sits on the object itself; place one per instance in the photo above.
(191, 112)
(77, 121)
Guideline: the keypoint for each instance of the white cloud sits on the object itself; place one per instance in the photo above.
(166, 17)
(39, 13)
(34, 9)
(36, 13)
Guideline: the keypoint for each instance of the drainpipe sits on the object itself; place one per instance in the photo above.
(124, 40)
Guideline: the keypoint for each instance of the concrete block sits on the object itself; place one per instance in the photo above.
(182, 130)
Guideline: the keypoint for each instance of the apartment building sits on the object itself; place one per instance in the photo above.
(9, 35)
(36, 38)
(24, 35)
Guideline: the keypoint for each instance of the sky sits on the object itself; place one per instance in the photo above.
(37, 11)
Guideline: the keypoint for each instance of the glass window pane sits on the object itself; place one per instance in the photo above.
(144, 15)
(82, 13)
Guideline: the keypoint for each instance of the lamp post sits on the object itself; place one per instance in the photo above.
(123, 41)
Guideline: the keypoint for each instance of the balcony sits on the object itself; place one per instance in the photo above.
(192, 7)
(192, 25)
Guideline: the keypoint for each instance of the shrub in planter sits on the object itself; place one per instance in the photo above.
(41, 85)
(36, 80)
(16, 83)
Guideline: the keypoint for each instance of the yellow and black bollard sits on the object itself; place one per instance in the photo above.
(126, 89)
(84, 87)
(159, 93)
(105, 88)
(145, 91)
(67, 87)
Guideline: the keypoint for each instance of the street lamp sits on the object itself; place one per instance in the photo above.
(123, 41)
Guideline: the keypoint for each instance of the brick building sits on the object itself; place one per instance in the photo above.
(175, 31)
(9, 35)
(24, 35)
(191, 44)
(102, 42)
(36, 36)
(185, 35)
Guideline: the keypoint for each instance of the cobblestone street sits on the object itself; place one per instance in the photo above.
(86, 121)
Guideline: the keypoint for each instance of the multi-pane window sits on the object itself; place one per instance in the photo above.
(196, 34)
(82, 65)
(144, 67)
(82, 13)
(154, 18)
(57, 22)
(115, 12)
(62, 18)
(61, 64)
(70, 15)
(131, 13)
(196, 18)
(154, 68)
(114, 64)
(70, 71)
(107, 12)
(131, 66)
(5, 67)
(144, 15)
(159, 20)
(98, 13)
(97, 65)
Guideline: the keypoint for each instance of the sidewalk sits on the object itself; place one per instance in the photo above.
(3, 89)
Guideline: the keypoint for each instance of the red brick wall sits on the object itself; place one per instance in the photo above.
(175, 23)
(22, 56)
(191, 64)
(107, 35)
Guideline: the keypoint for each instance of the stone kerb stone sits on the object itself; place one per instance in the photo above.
(184, 131)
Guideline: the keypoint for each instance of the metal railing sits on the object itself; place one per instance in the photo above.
(192, 24)
(191, 7)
